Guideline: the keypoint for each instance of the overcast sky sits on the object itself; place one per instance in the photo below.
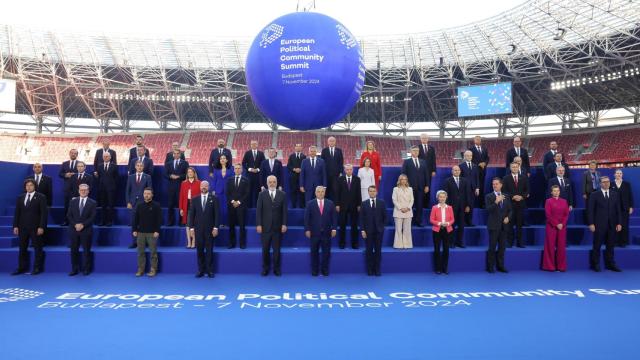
(242, 18)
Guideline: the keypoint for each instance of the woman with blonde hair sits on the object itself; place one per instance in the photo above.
(402, 213)
(376, 164)
(367, 178)
(189, 189)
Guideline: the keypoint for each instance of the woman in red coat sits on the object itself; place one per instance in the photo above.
(189, 189)
(371, 153)
(442, 220)
(555, 242)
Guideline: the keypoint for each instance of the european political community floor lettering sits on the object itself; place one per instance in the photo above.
(522, 315)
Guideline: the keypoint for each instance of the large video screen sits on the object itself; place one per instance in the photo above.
(484, 100)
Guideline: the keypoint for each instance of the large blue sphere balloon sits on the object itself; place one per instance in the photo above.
(305, 71)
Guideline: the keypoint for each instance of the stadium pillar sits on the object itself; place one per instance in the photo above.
(39, 124)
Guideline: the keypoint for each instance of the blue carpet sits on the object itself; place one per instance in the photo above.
(544, 325)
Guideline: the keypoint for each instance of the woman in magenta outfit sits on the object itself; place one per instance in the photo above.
(557, 211)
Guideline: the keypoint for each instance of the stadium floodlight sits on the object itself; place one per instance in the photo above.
(611, 76)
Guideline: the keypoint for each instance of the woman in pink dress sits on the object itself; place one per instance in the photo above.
(376, 164)
(555, 242)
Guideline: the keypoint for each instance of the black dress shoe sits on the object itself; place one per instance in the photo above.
(211, 275)
(521, 246)
(438, 273)
(490, 271)
(614, 268)
(36, 272)
(503, 270)
(277, 272)
(355, 247)
(264, 272)
(325, 273)
(369, 273)
(17, 272)
(461, 246)
(101, 224)
(133, 246)
(595, 268)
(445, 272)
(200, 274)
(231, 246)
(341, 245)
(378, 273)
(86, 272)
(314, 274)
(243, 246)
(109, 224)
(73, 273)
(64, 224)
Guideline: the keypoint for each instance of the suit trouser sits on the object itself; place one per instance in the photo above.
(351, 213)
(518, 220)
(172, 201)
(332, 187)
(403, 238)
(318, 242)
(482, 173)
(608, 237)
(271, 240)
(237, 218)
(296, 197)
(68, 195)
(441, 249)
(459, 224)
(147, 239)
(418, 205)
(79, 238)
(23, 255)
(623, 235)
(555, 249)
(497, 239)
(373, 251)
(309, 194)
(254, 189)
(107, 200)
(204, 249)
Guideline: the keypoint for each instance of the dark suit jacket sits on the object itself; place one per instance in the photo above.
(349, 198)
(587, 185)
(334, 164)
(265, 172)
(472, 175)
(550, 170)
(320, 225)
(509, 186)
(169, 156)
(133, 153)
(429, 158)
(181, 171)
(76, 182)
(271, 215)
(548, 158)
(292, 163)
(134, 191)
(45, 187)
(496, 212)
(625, 194)
(97, 159)
(34, 215)
(107, 180)
(511, 154)
(565, 193)
(204, 220)
(86, 218)
(479, 157)
(418, 178)
(68, 182)
(214, 158)
(310, 177)
(248, 162)
(237, 193)
(373, 220)
(604, 214)
(147, 166)
(458, 196)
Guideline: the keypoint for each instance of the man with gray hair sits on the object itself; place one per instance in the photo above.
(334, 161)
(271, 223)
(320, 220)
(107, 173)
(174, 146)
(203, 222)
(81, 214)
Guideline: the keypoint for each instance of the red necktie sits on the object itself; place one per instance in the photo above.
(515, 179)
(138, 181)
(321, 207)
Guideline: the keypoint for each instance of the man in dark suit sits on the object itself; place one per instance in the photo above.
(68, 171)
(82, 177)
(428, 154)
(481, 159)
(134, 192)
(419, 177)
(516, 187)
(550, 170)
(82, 213)
(133, 152)
(320, 219)
(294, 165)
(373, 217)
(334, 166)
(625, 193)
(312, 174)
(251, 162)
(214, 157)
(499, 209)
(348, 204)
(204, 221)
(604, 219)
(518, 150)
(29, 222)
(147, 163)
(107, 172)
(175, 171)
(590, 180)
(564, 183)
(522, 171)
(99, 156)
(237, 192)
(44, 183)
(271, 166)
(169, 157)
(460, 198)
(271, 223)
(550, 155)
(471, 172)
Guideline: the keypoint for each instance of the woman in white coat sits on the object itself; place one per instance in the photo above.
(402, 214)
(367, 178)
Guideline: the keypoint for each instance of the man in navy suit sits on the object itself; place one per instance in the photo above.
(82, 213)
(518, 150)
(348, 204)
(320, 220)
(312, 174)
(174, 146)
(550, 170)
(175, 171)
(604, 220)
(82, 177)
(251, 162)
(133, 152)
(564, 183)
(550, 155)
(107, 172)
(271, 224)
(428, 154)
(294, 165)
(142, 156)
(590, 180)
(237, 193)
(29, 222)
(214, 157)
(460, 198)
(419, 177)
(99, 156)
(134, 192)
(499, 209)
(67, 172)
(203, 222)
(471, 172)
(373, 217)
(334, 166)
(481, 159)
(516, 186)
(271, 166)
(44, 183)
